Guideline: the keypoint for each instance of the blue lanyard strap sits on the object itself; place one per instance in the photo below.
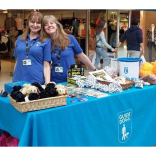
(27, 48)
(58, 56)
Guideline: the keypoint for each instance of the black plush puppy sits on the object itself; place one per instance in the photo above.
(19, 97)
(38, 85)
(33, 96)
(51, 90)
(43, 94)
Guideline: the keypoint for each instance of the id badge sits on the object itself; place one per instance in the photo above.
(59, 69)
(27, 62)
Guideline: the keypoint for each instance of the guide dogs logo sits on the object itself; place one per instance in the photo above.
(38, 43)
(125, 70)
(124, 125)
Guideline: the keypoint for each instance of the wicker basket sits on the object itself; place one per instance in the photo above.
(38, 104)
(127, 85)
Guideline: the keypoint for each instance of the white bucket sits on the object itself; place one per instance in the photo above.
(129, 67)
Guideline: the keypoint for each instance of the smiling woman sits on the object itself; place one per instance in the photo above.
(33, 53)
(64, 48)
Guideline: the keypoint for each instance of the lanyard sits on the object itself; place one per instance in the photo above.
(27, 48)
(58, 56)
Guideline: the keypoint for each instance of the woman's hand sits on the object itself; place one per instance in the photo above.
(115, 50)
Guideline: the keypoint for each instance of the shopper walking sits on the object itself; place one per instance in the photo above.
(134, 39)
(101, 42)
(33, 53)
(64, 48)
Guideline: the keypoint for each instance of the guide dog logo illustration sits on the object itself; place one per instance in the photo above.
(124, 125)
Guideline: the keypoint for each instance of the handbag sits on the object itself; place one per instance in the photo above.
(6, 140)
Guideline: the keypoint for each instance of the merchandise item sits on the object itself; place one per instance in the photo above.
(139, 84)
(72, 101)
(149, 78)
(146, 69)
(66, 60)
(38, 53)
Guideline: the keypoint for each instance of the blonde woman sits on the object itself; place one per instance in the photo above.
(64, 48)
(33, 53)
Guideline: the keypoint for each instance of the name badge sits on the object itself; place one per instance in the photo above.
(27, 62)
(59, 69)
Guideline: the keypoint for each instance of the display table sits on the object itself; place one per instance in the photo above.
(121, 119)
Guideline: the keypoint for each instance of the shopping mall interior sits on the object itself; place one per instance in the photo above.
(118, 21)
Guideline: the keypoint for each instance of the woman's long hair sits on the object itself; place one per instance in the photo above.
(100, 26)
(34, 17)
(61, 39)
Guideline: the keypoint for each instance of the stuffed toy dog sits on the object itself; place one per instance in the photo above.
(38, 85)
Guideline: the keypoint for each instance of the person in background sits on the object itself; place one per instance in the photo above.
(75, 25)
(13, 36)
(33, 53)
(101, 42)
(3, 47)
(67, 30)
(121, 32)
(134, 39)
(64, 47)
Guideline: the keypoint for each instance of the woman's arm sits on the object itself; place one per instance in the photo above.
(46, 68)
(84, 59)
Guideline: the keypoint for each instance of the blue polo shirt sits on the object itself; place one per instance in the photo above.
(66, 60)
(38, 53)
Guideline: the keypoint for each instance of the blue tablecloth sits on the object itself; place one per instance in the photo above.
(121, 119)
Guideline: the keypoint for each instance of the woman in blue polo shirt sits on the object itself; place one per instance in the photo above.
(64, 47)
(33, 53)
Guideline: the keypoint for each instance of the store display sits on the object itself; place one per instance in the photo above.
(139, 84)
(96, 94)
(101, 75)
(83, 99)
(149, 78)
(120, 79)
(111, 72)
(151, 40)
(75, 69)
(30, 98)
(72, 101)
(75, 78)
(38, 104)
(78, 92)
(75, 72)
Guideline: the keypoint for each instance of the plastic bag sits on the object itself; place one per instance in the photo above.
(6, 140)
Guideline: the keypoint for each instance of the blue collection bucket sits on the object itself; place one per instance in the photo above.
(129, 67)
